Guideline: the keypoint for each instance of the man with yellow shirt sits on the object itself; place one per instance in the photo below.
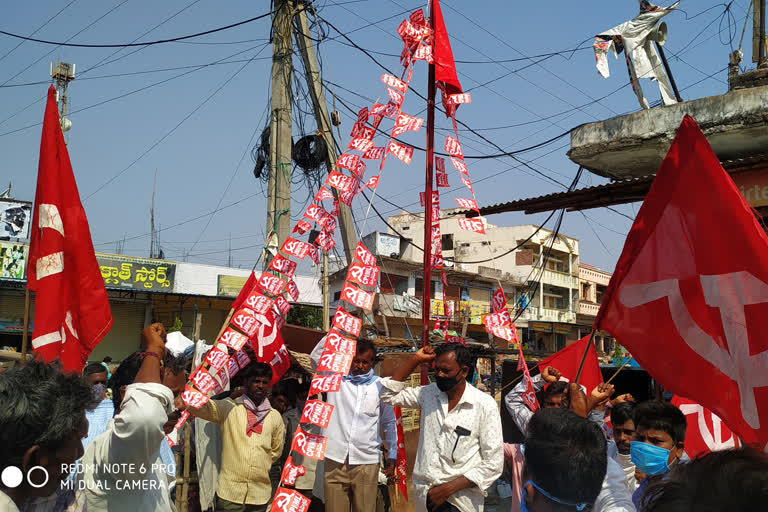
(252, 434)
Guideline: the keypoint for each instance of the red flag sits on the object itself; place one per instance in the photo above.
(529, 395)
(401, 464)
(244, 291)
(568, 360)
(71, 307)
(689, 297)
(445, 68)
(706, 432)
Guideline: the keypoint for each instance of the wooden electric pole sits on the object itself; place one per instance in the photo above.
(280, 141)
(314, 83)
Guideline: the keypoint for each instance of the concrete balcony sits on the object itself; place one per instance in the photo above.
(634, 145)
(397, 306)
(588, 308)
(560, 279)
(549, 315)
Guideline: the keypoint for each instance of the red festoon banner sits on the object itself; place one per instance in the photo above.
(692, 284)
(498, 300)
(364, 275)
(217, 358)
(363, 255)
(324, 384)
(356, 296)
(569, 359)
(347, 322)
(309, 445)
(529, 395)
(291, 472)
(71, 307)
(335, 362)
(336, 341)
(706, 432)
(474, 225)
(232, 339)
(289, 500)
(317, 413)
(401, 464)
(283, 265)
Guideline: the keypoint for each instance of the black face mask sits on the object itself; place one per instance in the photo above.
(445, 384)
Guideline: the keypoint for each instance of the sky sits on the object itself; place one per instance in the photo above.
(157, 109)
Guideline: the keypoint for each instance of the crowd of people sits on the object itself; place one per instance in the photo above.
(97, 441)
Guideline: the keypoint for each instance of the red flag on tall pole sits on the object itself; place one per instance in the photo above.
(445, 67)
(71, 307)
(689, 297)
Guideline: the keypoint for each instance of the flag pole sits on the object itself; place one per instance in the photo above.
(622, 367)
(427, 275)
(584, 357)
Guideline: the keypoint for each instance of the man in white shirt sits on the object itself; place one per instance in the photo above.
(122, 469)
(42, 418)
(460, 450)
(352, 454)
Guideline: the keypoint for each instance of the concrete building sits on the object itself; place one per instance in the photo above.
(523, 256)
(593, 283)
(142, 291)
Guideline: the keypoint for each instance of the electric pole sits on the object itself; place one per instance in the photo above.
(280, 141)
(323, 120)
(152, 219)
(63, 73)
(759, 51)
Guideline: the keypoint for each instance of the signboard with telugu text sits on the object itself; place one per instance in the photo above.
(136, 273)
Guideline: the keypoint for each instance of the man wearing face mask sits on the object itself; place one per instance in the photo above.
(96, 376)
(659, 441)
(351, 473)
(460, 451)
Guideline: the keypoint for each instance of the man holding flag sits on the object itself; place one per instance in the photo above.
(71, 307)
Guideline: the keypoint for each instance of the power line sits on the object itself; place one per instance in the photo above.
(167, 134)
(145, 43)
(37, 29)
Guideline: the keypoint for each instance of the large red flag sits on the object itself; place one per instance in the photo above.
(445, 67)
(71, 306)
(568, 360)
(689, 297)
(706, 432)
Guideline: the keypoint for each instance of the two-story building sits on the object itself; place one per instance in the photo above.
(593, 283)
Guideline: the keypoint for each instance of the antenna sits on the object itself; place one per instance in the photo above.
(229, 251)
(152, 219)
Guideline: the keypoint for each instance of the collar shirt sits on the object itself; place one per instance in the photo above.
(122, 469)
(98, 419)
(358, 418)
(7, 504)
(443, 455)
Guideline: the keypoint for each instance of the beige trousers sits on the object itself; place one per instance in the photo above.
(350, 487)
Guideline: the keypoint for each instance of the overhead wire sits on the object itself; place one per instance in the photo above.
(37, 29)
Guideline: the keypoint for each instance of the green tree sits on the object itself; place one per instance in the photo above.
(305, 316)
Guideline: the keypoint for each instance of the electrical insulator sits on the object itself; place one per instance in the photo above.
(335, 118)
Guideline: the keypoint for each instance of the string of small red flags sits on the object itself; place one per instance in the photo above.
(529, 395)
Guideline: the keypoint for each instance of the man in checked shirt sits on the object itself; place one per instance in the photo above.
(460, 450)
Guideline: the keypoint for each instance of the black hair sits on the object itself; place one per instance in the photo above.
(107, 359)
(364, 345)
(255, 369)
(622, 413)
(283, 388)
(124, 375)
(40, 406)
(732, 480)
(462, 354)
(658, 415)
(555, 388)
(566, 455)
(92, 368)
(176, 364)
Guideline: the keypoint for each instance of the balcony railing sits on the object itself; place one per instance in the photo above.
(561, 279)
(588, 308)
(549, 315)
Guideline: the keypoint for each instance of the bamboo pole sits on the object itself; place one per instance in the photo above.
(25, 333)
(617, 371)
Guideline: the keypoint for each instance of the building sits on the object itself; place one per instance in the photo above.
(593, 283)
(142, 291)
(523, 256)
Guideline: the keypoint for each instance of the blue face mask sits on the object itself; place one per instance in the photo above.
(524, 505)
(651, 460)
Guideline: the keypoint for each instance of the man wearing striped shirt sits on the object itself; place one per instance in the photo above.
(252, 435)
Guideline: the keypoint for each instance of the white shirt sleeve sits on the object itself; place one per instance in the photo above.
(491, 450)
(395, 393)
(388, 425)
(314, 357)
(614, 495)
(138, 427)
(520, 412)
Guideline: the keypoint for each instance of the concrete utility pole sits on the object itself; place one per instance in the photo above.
(314, 83)
(280, 142)
(759, 16)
